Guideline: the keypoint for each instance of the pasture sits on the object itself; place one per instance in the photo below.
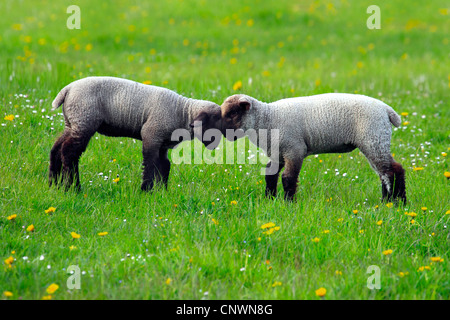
(202, 238)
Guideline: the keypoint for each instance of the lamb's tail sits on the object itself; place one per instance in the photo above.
(393, 116)
(60, 98)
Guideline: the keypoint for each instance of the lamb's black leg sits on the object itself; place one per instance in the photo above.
(290, 177)
(71, 150)
(394, 188)
(56, 160)
(272, 173)
(164, 168)
(398, 182)
(392, 176)
(151, 164)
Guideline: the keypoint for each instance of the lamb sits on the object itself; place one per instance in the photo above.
(122, 108)
(325, 123)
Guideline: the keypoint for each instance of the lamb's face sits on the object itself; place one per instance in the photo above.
(210, 121)
(234, 115)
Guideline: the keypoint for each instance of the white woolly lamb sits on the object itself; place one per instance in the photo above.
(123, 108)
(325, 123)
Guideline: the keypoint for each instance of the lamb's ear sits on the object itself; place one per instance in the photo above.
(245, 103)
(199, 120)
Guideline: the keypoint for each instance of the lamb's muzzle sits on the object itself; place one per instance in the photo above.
(123, 108)
(326, 123)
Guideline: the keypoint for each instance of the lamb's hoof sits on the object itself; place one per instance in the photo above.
(271, 193)
(289, 197)
(146, 187)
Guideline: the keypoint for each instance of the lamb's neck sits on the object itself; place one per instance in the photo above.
(263, 116)
(190, 110)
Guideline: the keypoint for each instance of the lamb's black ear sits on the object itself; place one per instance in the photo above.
(199, 120)
(245, 103)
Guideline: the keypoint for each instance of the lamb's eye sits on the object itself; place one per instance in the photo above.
(232, 113)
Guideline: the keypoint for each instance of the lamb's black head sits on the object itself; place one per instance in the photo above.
(234, 111)
(208, 126)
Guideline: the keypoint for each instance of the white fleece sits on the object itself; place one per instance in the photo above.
(325, 123)
(125, 107)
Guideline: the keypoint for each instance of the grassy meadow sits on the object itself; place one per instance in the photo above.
(203, 237)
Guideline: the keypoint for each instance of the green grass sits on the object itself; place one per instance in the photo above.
(286, 49)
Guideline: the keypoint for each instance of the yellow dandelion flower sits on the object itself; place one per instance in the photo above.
(444, 154)
(404, 114)
(387, 252)
(379, 223)
(50, 210)
(7, 294)
(422, 268)
(49, 297)
(413, 221)
(168, 281)
(389, 205)
(361, 231)
(72, 248)
(340, 219)
(30, 228)
(52, 288)
(215, 221)
(424, 208)
(12, 217)
(102, 234)
(88, 47)
(321, 292)
(17, 26)
(447, 212)
(9, 261)
(147, 82)
(270, 231)
(234, 202)
(9, 117)
(447, 174)
(233, 61)
(437, 259)
(268, 225)
(338, 273)
(402, 274)
(355, 211)
(116, 180)
(326, 231)
(315, 240)
(237, 85)
(417, 168)
(75, 235)
(276, 284)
